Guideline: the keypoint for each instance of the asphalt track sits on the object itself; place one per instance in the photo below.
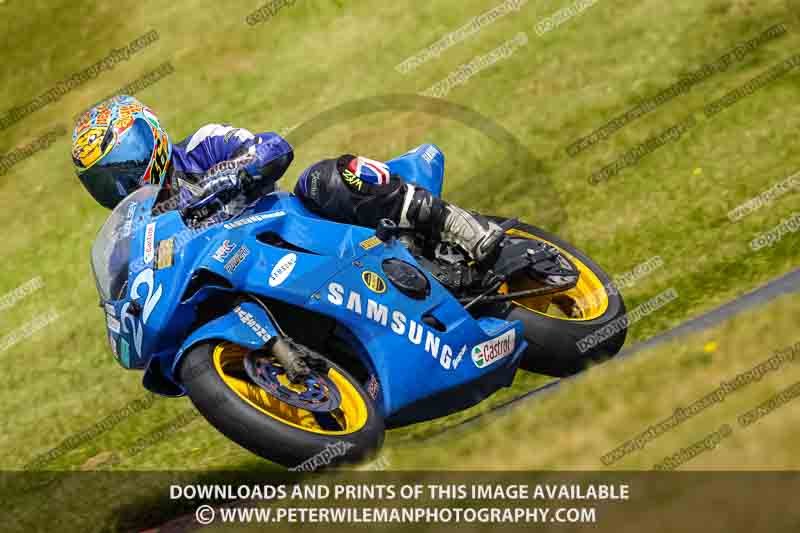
(786, 284)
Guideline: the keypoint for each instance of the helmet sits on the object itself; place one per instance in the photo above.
(118, 146)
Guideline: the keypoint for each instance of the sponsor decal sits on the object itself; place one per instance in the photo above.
(126, 229)
(314, 189)
(493, 350)
(224, 251)
(373, 282)
(237, 259)
(282, 270)
(370, 243)
(352, 180)
(113, 343)
(416, 332)
(110, 310)
(248, 320)
(165, 253)
(112, 323)
(149, 243)
(254, 218)
(460, 356)
(124, 352)
(130, 324)
(429, 154)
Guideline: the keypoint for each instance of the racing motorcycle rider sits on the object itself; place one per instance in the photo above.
(119, 146)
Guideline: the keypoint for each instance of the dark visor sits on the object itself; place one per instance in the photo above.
(120, 172)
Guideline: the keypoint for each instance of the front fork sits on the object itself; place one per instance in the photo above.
(297, 360)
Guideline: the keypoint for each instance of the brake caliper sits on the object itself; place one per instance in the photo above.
(294, 374)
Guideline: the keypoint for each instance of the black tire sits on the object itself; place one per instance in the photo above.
(553, 343)
(264, 435)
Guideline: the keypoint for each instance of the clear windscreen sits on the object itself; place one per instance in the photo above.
(111, 249)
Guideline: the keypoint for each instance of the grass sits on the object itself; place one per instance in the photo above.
(317, 56)
(622, 399)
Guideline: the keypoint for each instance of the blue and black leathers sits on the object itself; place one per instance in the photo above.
(220, 169)
(356, 190)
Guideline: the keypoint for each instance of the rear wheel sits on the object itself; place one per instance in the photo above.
(326, 420)
(568, 330)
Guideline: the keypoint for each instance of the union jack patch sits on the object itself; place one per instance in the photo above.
(370, 170)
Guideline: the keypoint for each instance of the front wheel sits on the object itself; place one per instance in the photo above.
(569, 330)
(338, 425)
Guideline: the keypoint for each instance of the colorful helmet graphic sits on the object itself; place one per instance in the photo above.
(118, 146)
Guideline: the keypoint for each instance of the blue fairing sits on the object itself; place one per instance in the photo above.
(423, 166)
(155, 319)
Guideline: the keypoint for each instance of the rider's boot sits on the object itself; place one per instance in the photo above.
(442, 221)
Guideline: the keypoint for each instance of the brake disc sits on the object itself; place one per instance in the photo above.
(316, 393)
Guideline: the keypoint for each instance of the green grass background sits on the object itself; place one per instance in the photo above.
(317, 55)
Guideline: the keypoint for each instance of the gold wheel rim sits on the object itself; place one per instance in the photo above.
(351, 414)
(589, 298)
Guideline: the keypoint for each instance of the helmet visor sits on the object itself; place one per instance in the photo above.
(121, 171)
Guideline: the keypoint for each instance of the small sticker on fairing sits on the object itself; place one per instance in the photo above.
(113, 324)
(113, 342)
(370, 243)
(283, 268)
(491, 351)
(165, 253)
(124, 353)
(149, 243)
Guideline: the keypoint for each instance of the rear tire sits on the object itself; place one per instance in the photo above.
(267, 435)
(561, 346)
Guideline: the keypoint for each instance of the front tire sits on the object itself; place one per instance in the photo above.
(215, 381)
(560, 344)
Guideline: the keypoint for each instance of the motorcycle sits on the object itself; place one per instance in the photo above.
(297, 336)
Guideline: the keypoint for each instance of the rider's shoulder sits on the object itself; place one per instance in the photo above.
(216, 133)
